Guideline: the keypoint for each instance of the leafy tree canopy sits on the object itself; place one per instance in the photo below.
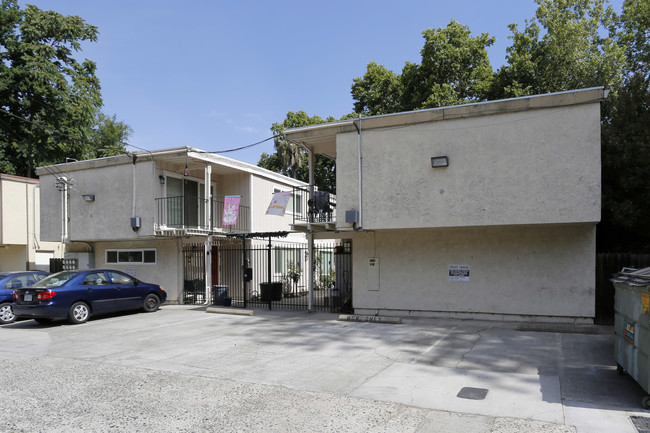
(291, 160)
(454, 69)
(569, 44)
(49, 100)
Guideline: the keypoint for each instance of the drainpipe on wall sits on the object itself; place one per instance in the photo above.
(360, 168)
(62, 185)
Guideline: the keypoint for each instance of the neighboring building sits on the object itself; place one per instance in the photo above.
(21, 248)
(151, 215)
(484, 210)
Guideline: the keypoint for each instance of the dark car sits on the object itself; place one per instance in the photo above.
(76, 295)
(9, 281)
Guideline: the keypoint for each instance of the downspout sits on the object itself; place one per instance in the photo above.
(134, 157)
(64, 209)
(360, 168)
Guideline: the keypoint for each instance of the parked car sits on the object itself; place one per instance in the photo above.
(76, 295)
(10, 281)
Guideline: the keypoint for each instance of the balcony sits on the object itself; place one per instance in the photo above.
(185, 215)
(318, 214)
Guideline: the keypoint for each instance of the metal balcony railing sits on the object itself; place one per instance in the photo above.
(322, 209)
(188, 212)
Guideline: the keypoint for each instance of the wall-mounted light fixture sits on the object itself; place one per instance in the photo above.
(162, 179)
(187, 171)
(439, 161)
(88, 197)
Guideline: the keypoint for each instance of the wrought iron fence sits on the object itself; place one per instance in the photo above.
(274, 277)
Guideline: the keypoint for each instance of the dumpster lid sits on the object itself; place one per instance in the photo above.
(632, 277)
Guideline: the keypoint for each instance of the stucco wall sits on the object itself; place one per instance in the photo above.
(15, 197)
(530, 167)
(518, 270)
(109, 216)
(166, 271)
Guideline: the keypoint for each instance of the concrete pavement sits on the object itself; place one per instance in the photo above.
(181, 369)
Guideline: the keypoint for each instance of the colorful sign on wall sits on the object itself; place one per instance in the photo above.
(230, 210)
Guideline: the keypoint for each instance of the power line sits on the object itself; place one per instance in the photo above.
(47, 128)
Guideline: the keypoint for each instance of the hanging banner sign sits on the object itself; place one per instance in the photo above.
(279, 203)
(230, 210)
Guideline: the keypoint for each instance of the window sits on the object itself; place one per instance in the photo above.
(95, 279)
(119, 278)
(131, 257)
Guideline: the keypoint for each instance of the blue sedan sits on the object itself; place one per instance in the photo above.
(76, 295)
(9, 281)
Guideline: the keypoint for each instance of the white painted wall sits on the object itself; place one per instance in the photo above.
(529, 167)
(517, 272)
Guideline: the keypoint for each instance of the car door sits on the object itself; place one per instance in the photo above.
(128, 294)
(100, 291)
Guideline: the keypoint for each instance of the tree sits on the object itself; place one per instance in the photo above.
(48, 99)
(562, 48)
(626, 164)
(635, 36)
(108, 136)
(455, 69)
(290, 160)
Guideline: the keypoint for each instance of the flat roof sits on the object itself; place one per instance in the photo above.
(321, 138)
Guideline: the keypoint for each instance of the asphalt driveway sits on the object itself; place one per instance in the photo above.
(182, 369)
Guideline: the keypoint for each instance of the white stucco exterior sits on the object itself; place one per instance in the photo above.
(21, 246)
(516, 207)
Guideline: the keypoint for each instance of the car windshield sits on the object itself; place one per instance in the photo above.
(55, 280)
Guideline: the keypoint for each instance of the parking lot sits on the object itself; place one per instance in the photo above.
(181, 369)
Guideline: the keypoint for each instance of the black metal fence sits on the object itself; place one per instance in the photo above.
(606, 265)
(276, 275)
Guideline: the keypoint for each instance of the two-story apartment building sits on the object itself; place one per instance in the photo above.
(484, 210)
(158, 215)
(21, 247)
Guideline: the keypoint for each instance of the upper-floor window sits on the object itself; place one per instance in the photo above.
(131, 256)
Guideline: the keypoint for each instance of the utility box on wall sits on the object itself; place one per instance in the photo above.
(373, 273)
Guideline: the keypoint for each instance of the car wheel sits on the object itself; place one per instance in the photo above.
(6, 313)
(44, 320)
(151, 303)
(78, 313)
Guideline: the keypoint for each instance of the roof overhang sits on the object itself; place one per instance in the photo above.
(321, 138)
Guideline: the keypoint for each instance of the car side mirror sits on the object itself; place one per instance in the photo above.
(136, 282)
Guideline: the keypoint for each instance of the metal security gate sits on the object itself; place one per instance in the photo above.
(255, 273)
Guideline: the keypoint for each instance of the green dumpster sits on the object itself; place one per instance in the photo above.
(632, 326)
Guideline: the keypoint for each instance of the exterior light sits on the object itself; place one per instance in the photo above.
(162, 179)
(88, 197)
(187, 171)
(439, 161)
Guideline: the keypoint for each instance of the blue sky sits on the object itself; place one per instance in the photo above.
(215, 74)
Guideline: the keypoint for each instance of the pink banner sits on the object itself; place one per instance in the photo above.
(230, 210)
(279, 203)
